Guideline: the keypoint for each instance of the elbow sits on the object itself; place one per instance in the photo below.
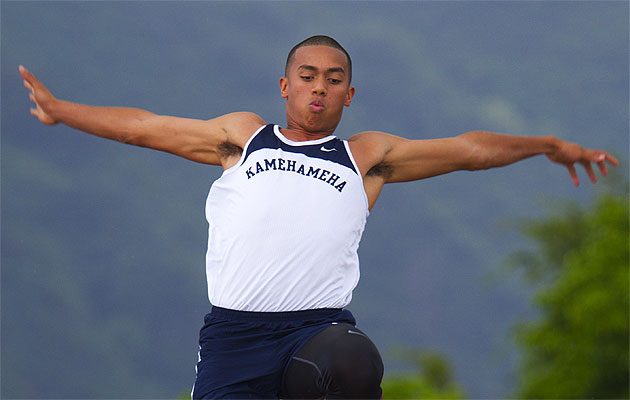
(137, 131)
(129, 137)
(481, 161)
(474, 155)
(478, 165)
(134, 139)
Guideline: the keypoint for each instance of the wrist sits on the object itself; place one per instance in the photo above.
(552, 144)
(56, 109)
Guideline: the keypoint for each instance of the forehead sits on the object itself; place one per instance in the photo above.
(324, 57)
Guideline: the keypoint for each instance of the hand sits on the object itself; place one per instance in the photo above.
(42, 98)
(568, 154)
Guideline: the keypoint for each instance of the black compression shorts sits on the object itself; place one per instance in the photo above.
(340, 362)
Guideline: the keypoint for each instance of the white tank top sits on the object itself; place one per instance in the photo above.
(284, 226)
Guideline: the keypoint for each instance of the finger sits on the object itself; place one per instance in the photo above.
(24, 73)
(600, 156)
(589, 171)
(34, 112)
(32, 97)
(28, 86)
(612, 160)
(573, 174)
(603, 168)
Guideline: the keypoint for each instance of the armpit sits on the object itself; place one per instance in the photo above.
(227, 149)
(382, 169)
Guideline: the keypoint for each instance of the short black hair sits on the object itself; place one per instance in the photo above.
(319, 40)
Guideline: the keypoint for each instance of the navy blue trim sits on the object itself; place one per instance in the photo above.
(319, 313)
(333, 150)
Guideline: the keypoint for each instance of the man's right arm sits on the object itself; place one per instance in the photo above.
(196, 140)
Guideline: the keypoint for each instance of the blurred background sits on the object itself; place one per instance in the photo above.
(103, 280)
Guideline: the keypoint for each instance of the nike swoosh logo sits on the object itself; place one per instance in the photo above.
(327, 150)
(355, 332)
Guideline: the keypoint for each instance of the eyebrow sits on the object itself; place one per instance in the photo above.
(329, 70)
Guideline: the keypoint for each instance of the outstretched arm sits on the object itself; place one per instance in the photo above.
(395, 159)
(197, 140)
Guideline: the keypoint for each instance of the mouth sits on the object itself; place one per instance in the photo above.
(316, 106)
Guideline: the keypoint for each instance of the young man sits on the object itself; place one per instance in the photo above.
(286, 217)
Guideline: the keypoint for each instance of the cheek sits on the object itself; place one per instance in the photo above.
(341, 96)
(298, 91)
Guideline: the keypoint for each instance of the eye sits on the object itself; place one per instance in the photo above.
(306, 78)
(334, 81)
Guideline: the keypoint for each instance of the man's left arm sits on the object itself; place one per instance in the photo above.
(406, 160)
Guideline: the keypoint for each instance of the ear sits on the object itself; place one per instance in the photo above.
(284, 85)
(349, 96)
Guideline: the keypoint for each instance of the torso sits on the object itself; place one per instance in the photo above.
(287, 216)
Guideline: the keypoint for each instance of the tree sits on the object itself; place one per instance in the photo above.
(431, 380)
(578, 345)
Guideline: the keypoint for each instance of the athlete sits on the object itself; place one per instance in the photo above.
(285, 220)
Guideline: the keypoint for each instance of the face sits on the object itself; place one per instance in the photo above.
(316, 89)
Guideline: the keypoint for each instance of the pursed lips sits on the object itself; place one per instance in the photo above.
(316, 106)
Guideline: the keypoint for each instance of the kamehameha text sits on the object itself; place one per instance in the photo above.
(281, 164)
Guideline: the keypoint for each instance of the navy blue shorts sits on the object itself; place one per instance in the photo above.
(244, 355)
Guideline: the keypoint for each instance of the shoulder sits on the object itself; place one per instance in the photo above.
(375, 140)
(239, 120)
(240, 126)
(370, 148)
(367, 136)
(368, 141)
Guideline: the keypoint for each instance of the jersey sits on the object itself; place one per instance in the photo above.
(285, 224)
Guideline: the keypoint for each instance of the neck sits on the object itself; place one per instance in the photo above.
(300, 133)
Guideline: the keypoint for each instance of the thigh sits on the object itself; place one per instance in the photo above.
(220, 382)
(237, 360)
(339, 362)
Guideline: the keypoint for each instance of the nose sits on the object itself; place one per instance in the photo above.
(319, 87)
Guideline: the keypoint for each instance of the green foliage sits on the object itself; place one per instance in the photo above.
(578, 347)
(431, 380)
